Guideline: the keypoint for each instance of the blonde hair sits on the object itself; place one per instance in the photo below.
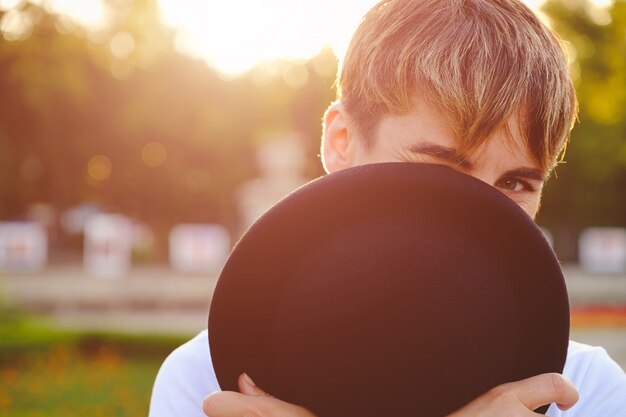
(478, 61)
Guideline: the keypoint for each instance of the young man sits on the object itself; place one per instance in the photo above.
(478, 85)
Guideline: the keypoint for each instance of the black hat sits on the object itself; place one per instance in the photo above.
(389, 289)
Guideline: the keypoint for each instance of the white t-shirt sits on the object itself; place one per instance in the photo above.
(187, 376)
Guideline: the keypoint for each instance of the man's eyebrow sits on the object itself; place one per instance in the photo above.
(529, 173)
(442, 152)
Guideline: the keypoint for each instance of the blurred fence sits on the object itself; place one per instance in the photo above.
(157, 299)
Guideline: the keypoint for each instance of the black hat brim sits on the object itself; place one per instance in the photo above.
(389, 289)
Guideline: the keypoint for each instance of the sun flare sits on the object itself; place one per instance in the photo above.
(235, 35)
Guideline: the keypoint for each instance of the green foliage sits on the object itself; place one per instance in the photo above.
(64, 381)
(45, 371)
(26, 334)
(590, 189)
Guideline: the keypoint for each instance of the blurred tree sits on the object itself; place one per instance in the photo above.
(590, 190)
(45, 81)
(116, 116)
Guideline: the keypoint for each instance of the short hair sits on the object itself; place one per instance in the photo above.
(478, 61)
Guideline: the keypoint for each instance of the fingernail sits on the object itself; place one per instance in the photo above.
(248, 379)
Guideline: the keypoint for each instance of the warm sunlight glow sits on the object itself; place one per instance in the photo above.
(235, 35)
(86, 12)
(534, 3)
(89, 13)
(9, 4)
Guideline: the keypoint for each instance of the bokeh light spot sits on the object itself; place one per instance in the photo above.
(153, 154)
(296, 76)
(99, 168)
(16, 25)
(599, 13)
(122, 45)
(65, 25)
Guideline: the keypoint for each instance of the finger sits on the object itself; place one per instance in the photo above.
(545, 389)
(234, 404)
(247, 386)
(227, 404)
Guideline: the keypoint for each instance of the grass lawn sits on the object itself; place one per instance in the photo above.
(48, 372)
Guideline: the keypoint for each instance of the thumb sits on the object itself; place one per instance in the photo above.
(544, 389)
(248, 387)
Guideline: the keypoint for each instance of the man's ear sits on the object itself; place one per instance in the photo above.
(337, 141)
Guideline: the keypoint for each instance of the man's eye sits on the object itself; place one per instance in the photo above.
(514, 185)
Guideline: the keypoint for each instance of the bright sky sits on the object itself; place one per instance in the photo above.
(234, 35)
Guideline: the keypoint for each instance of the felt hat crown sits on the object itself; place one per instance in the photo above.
(389, 289)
